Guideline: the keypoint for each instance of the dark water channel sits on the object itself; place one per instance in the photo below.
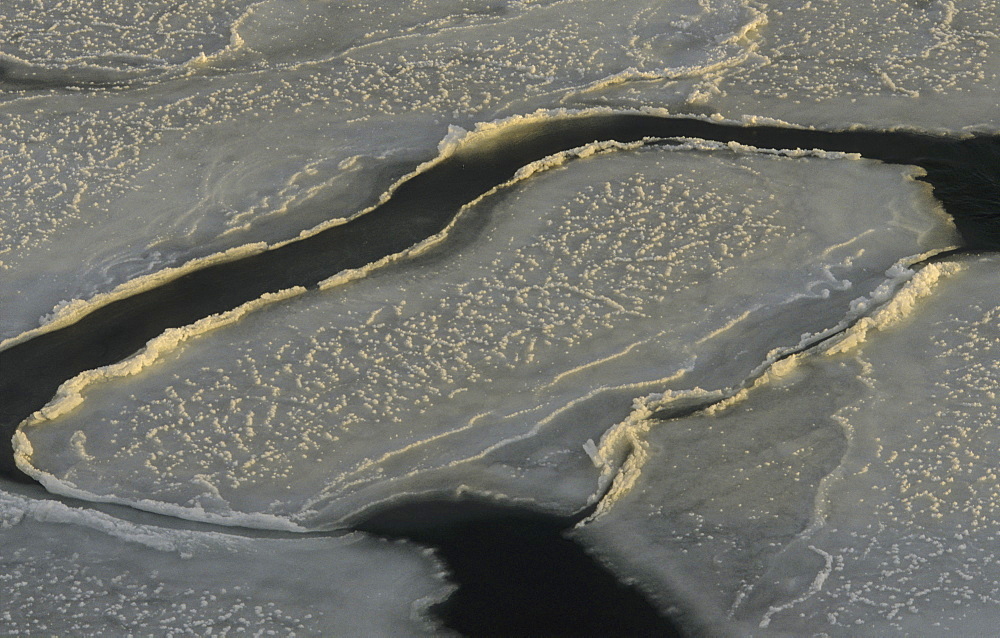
(511, 564)
(518, 574)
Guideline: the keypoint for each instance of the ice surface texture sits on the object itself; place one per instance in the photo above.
(854, 488)
(82, 44)
(539, 318)
(925, 65)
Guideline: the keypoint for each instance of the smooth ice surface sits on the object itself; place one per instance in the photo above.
(71, 571)
(854, 489)
(487, 362)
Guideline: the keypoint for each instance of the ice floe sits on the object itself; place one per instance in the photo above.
(853, 487)
(277, 121)
(924, 66)
(486, 362)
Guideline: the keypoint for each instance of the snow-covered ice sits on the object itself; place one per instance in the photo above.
(291, 120)
(932, 66)
(917, 65)
(241, 122)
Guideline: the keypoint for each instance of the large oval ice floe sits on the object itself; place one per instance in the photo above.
(487, 362)
(854, 487)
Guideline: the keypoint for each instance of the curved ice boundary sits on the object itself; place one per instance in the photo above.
(906, 281)
(323, 83)
(568, 128)
(485, 362)
(957, 181)
(83, 335)
(113, 184)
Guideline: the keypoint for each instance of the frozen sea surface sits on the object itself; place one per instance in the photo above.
(505, 360)
(290, 122)
(487, 360)
(854, 488)
(916, 65)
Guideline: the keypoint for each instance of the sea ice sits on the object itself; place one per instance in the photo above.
(138, 139)
(487, 361)
(856, 487)
(843, 488)
(80, 43)
(917, 65)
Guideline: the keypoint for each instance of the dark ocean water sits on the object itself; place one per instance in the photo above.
(518, 574)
